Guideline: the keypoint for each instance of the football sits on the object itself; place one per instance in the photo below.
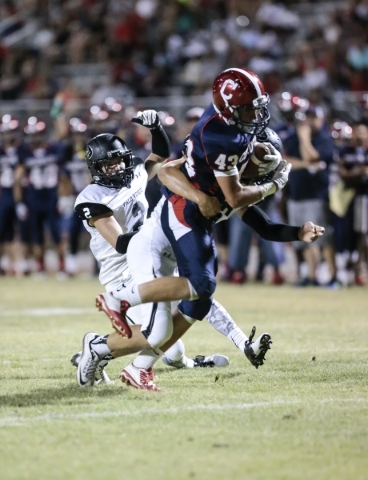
(251, 170)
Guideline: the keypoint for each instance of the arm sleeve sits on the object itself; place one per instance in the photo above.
(160, 142)
(89, 210)
(123, 242)
(261, 223)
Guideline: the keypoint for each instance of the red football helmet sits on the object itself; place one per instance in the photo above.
(239, 98)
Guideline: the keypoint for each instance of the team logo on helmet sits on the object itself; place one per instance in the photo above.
(223, 88)
(89, 152)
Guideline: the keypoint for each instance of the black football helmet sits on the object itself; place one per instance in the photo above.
(101, 155)
(270, 136)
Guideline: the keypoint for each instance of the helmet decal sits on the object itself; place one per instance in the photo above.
(89, 152)
(248, 75)
(223, 88)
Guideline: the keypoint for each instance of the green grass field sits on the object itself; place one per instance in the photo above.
(303, 415)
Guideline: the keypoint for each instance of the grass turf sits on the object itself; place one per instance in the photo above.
(303, 415)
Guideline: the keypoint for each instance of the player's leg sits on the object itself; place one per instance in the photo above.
(53, 220)
(193, 246)
(36, 212)
(98, 350)
(222, 321)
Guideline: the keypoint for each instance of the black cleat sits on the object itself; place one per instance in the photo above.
(256, 351)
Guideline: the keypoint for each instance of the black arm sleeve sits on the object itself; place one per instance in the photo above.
(267, 229)
(160, 142)
(123, 242)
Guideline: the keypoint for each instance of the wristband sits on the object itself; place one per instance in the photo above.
(160, 142)
(268, 189)
(123, 241)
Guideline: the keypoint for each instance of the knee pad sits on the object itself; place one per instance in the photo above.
(160, 330)
(195, 310)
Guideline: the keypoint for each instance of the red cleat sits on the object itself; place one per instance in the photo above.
(139, 378)
(115, 310)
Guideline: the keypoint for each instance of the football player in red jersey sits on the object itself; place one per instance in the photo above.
(218, 147)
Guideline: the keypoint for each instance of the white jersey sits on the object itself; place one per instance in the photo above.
(129, 207)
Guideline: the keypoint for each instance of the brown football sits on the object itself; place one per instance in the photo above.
(252, 169)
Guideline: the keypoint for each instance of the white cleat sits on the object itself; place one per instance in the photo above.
(88, 362)
(216, 360)
(101, 377)
(139, 378)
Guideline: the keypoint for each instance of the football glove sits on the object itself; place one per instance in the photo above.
(147, 118)
(271, 161)
(281, 175)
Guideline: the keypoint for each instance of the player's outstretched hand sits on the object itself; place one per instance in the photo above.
(281, 175)
(309, 232)
(147, 118)
(209, 206)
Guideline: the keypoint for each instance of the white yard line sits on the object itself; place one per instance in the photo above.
(51, 417)
(46, 312)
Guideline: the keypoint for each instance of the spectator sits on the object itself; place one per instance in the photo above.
(309, 148)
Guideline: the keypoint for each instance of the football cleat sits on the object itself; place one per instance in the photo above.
(115, 310)
(199, 361)
(88, 362)
(212, 361)
(101, 376)
(139, 378)
(256, 351)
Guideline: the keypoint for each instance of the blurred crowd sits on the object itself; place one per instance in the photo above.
(156, 47)
(114, 57)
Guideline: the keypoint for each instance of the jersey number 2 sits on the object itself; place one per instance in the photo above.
(87, 213)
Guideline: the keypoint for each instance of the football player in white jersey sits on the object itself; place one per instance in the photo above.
(113, 207)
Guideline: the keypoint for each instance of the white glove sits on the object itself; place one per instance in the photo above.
(21, 211)
(281, 175)
(270, 162)
(147, 118)
(278, 181)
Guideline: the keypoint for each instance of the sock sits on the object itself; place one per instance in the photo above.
(188, 362)
(128, 291)
(238, 338)
(147, 358)
(221, 320)
(175, 352)
(100, 346)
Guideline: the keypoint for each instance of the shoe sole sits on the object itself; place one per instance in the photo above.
(117, 322)
(129, 381)
(86, 342)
